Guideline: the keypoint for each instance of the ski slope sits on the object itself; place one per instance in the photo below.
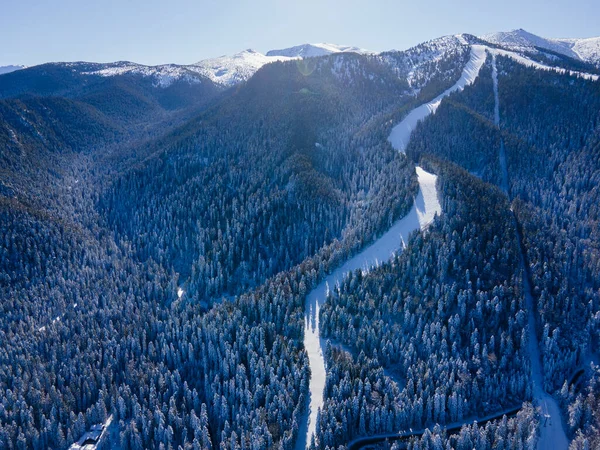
(425, 207)
(401, 133)
(536, 65)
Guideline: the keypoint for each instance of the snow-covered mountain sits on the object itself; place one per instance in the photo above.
(587, 50)
(312, 50)
(8, 69)
(163, 76)
(230, 70)
(414, 63)
(224, 70)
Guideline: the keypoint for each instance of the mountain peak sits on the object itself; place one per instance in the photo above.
(313, 50)
(520, 39)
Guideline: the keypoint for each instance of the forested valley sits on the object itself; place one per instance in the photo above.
(158, 242)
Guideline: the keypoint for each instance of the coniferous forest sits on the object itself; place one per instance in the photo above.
(159, 242)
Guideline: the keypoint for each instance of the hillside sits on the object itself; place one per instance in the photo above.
(318, 247)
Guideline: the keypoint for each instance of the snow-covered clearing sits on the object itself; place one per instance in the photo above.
(401, 133)
(424, 209)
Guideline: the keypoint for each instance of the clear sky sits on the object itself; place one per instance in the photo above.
(186, 31)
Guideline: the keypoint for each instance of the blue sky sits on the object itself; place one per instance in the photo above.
(185, 31)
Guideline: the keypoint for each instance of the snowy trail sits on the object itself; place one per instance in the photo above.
(424, 209)
(536, 65)
(423, 212)
(400, 134)
(552, 433)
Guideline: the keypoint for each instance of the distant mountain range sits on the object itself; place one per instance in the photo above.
(227, 71)
(8, 69)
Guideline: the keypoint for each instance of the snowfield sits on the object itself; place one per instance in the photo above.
(424, 209)
(401, 133)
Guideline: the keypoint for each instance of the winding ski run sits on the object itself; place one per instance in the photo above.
(425, 207)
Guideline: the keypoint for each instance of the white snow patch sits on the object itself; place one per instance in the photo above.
(424, 209)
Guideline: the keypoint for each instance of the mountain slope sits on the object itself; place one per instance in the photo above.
(230, 70)
(587, 50)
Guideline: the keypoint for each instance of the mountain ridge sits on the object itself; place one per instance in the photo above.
(229, 70)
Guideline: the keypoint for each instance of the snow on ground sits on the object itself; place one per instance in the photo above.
(424, 209)
(502, 154)
(56, 319)
(523, 40)
(587, 49)
(401, 133)
(496, 99)
(94, 437)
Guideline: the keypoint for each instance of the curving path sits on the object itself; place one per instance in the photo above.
(425, 207)
(423, 212)
(400, 134)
